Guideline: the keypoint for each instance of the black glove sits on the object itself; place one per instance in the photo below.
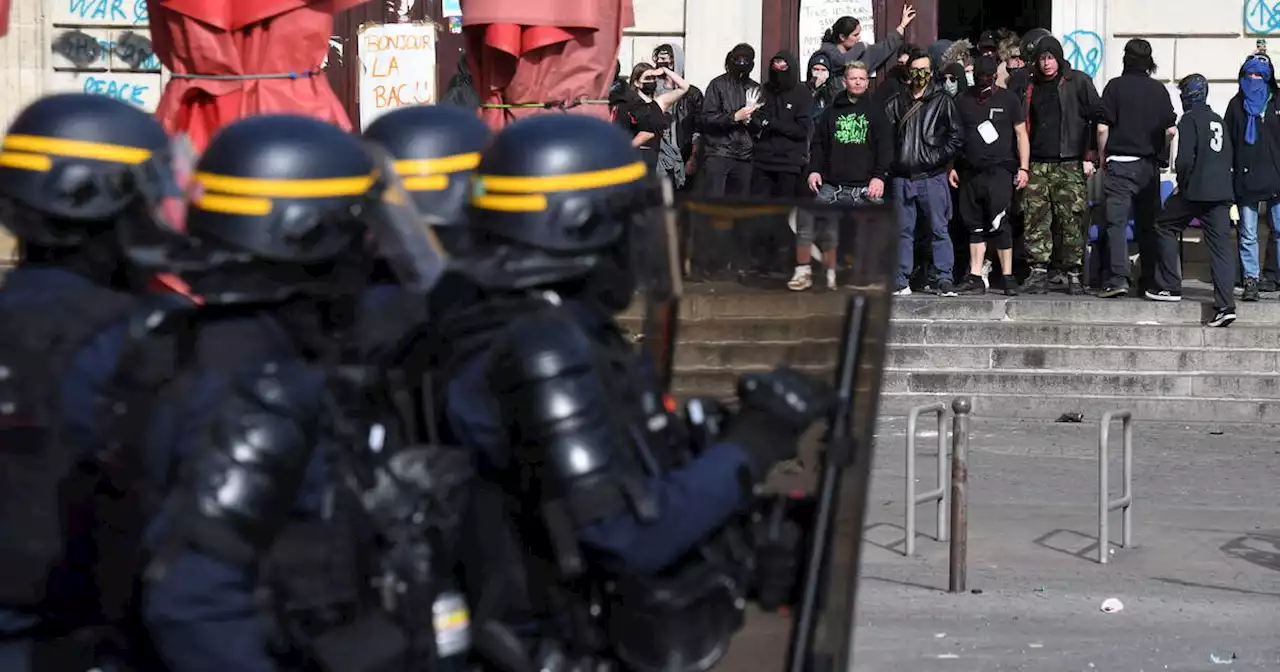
(777, 408)
(777, 535)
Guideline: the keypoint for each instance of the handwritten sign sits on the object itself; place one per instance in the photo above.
(397, 67)
(816, 16)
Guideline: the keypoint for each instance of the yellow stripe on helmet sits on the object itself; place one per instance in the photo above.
(510, 203)
(440, 165)
(21, 161)
(78, 149)
(268, 188)
(234, 205)
(594, 179)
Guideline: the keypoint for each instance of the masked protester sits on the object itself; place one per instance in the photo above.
(73, 168)
(643, 112)
(730, 101)
(1063, 110)
(586, 492)
(679, 159)
(929, 137)
(617, 90)
(783, 124)
(894, 80)
(1204, 192)
(842, 43)
(851, 152)
(1256, 153)
(954, 79)
(992, 165)
(1133, 142)
(1010, 60)
(818, 83)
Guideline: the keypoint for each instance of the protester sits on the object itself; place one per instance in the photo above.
(842, 43)
(1133, 141)
(1011, 60)
(928, 138)
(954, 79)
(1020, 77)
(617, 90)
(1255, 146)
(819, 74)
(678, 159)
(988, 45)
(894, 80)
(851, 152)
(1062, 108)
(643, 115)
(1204, 192)
(991, 165)
(784, 124)
(960, 51)
(730, 100)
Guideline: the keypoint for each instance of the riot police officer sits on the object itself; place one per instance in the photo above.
(578, 470)
(277, 230)
(72, 168)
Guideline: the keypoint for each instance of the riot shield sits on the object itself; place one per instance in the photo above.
(400, 233)
(740, 249)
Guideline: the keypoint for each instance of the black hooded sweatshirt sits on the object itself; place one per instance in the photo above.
(853, 142)
(783, 120)
(1062, 113)
(822, 95)
(726, 94)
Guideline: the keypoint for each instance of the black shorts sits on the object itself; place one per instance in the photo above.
(983, 201)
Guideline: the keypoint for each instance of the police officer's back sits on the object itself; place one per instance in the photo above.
(581, 475)
(72, 169)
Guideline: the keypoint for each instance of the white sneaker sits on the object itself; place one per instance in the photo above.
(831, 279)
(802, 280)
(905, 291)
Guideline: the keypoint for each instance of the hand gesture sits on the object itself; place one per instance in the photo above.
(908, 15)
(743, 113)
(875, 189)
(953, 178)
(815, 182)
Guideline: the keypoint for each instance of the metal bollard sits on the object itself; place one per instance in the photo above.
(1105, 504)
(938, 494)
(959, 494)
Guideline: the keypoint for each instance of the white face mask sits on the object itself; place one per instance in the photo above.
(951, 87)
(968, 77)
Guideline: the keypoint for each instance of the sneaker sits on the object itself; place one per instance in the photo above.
(1223, 318)
(902, 291)
(802, 280)
(972, 285)
(944, 288)
(1114, 289)
(1074, 287)
(1268, 285)
(1250, 290)
(831, 279)
(1037, 282)
(1010, 285)
(1163, 295)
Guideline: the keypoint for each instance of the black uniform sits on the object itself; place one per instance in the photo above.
(988, 164)
(1138, 111)
(1205, 193)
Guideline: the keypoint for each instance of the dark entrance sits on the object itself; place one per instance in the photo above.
(968, 18)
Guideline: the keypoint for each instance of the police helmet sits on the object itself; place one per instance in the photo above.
(276, 201)
(70, 164)
(556, 198)
(436, 150)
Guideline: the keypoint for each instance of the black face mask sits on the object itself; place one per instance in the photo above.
(648, 87)
(743, 68)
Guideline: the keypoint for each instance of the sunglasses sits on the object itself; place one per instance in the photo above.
(949, 78)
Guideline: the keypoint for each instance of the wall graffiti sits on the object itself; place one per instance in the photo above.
(115, 88)
(1262, 17)
(134, 49)
(115, 11)
(1083, 50)
(131, 50)
(79, 47)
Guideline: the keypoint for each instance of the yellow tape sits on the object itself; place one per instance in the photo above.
(572, 182)
(443, 164)
(79, 149)
(267, 188)
(34, 162)
(509, 203)
(234, 205)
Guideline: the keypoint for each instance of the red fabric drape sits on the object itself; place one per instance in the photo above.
(4, 17)
(243, 37)
(543, 51)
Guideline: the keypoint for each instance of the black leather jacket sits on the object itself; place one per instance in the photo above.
(927, 131)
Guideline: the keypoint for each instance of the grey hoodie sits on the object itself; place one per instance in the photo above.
(874, 55)
(673, 153)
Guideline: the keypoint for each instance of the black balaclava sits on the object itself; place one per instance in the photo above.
(783, 80)
(741, 60)
(984, 76)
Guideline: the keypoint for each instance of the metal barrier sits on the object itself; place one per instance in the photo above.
(1105, 504)
(959, 494)
(939, 494)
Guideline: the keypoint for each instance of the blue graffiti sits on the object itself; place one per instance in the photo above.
(1262, 17)
(112, 88)
(110, 10)
(1083, 50)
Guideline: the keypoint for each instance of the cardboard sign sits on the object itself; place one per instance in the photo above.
(397, 67)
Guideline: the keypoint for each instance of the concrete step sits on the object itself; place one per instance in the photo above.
(1057, 384)
(1003, 333)
(706, 304)
(1051, 407)
(824, 352)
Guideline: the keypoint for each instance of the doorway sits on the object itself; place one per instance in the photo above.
(967, 19)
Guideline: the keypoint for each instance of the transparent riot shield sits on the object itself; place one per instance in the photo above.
(737, 251)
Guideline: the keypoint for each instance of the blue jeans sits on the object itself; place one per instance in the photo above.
(932, 196)
(1249, 257)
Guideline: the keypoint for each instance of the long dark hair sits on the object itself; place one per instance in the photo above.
(638, 71)
(844, 26)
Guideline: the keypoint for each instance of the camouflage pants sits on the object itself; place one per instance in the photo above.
(1054, 205)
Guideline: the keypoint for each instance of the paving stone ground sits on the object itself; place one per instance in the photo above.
(1200, 587)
